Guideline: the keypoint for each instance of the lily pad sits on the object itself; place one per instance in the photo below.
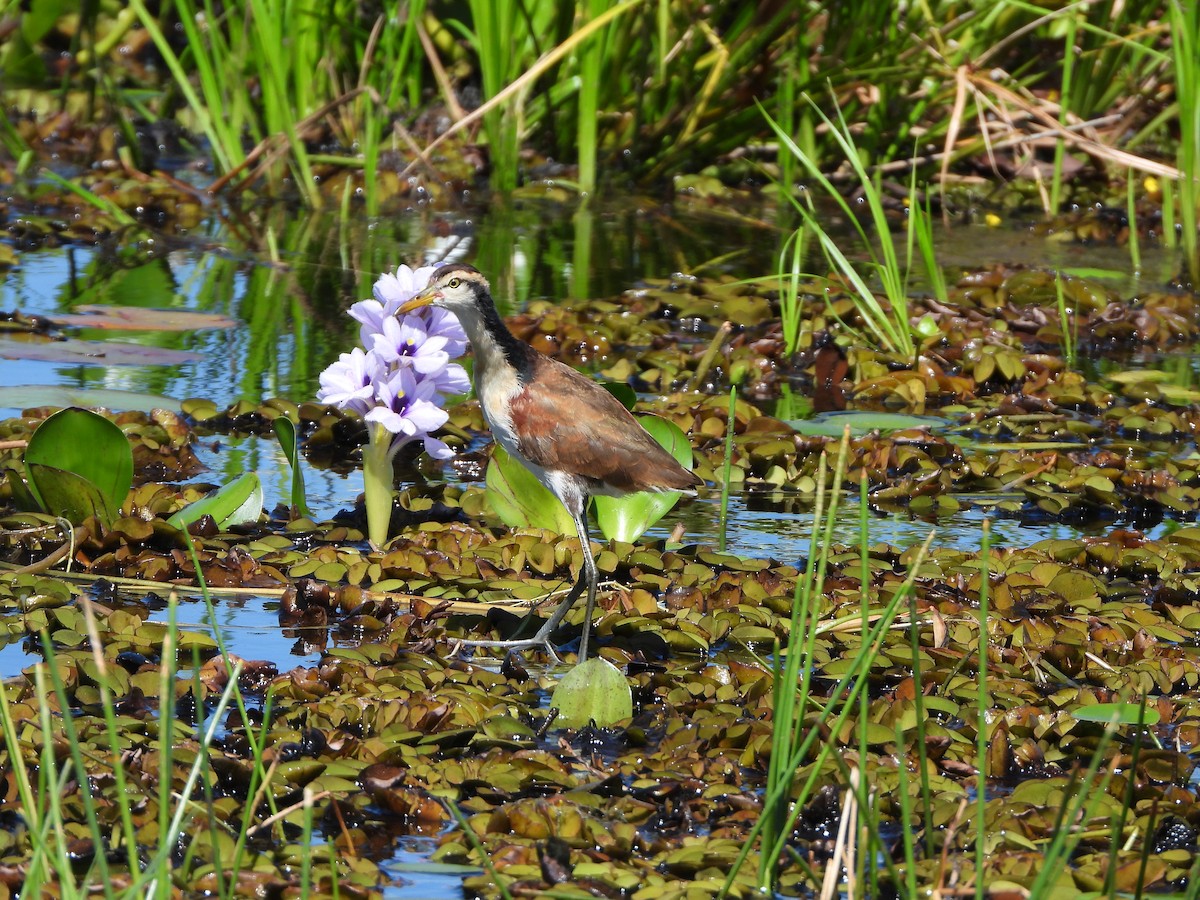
(593, 691)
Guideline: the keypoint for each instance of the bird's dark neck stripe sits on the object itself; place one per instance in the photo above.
(518, 354)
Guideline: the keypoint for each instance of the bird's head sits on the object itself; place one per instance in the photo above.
(459, 288)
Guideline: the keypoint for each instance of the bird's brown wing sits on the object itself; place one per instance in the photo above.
(566, 422)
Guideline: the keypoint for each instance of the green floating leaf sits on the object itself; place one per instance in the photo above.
(927, 326)
(433, 868)
(519, 499)
(627, 518)
(69, 495)
(1139, 376)
(236, 503)
(25, 396)
(593, 691)
(22, 494)
(285, 431)
(831, 424)
(622, 392)
(1117, 714)
(79, 443)
(1095, 272)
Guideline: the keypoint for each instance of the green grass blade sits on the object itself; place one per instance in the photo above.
(981, 711)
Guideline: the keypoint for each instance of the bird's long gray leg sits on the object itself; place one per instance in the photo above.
(563, 608)
(588, 577)
(589, 572)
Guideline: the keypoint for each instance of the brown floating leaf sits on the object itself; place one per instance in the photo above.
(95, 353)
(138, 318)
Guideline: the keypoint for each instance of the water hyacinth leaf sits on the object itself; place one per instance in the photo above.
(832, 424)
(1117, 714)
(593, 691)
(432, 868)
(22, 496)
(627, 518)
(285, 431)
(520, 500)
(69, 495)
(24, 396)
(622, 392)
(88, 446)
(237, 503)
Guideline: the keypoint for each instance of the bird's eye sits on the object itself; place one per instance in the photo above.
(453, 283)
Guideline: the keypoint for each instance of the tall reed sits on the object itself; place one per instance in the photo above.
(982, 707)
(663, 91)
(885, 323)
(1067, 84)
(502, 45)
(799, 719)
(1185, 47)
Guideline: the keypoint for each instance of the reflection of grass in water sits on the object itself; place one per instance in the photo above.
(293, 322)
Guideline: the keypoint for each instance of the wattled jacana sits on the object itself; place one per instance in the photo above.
(573, 435)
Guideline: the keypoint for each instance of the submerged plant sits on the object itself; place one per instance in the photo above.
(397, 383)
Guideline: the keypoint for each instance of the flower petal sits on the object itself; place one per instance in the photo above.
(437, 449)
(399, 382)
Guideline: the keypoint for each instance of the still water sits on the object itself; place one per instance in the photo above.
(288, 306)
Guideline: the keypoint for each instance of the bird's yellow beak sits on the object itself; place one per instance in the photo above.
(422, 298)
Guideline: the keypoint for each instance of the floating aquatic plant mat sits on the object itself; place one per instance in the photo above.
(306, 780)
(395, 735)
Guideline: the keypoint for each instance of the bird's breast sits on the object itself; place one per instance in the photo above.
(498, 386)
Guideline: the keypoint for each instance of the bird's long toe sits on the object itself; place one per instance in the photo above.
(538, 642)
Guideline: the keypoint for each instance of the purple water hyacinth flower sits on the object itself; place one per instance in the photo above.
(408, 408)
(349, 383)
(451, 380)
(397, 383)
(408, 344)
(390, 292)
(444, 324)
